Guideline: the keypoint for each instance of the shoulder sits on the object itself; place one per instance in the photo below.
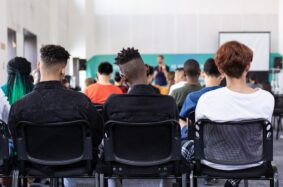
(212, 95)
(265, 95)
(181, 89)
(117, 89)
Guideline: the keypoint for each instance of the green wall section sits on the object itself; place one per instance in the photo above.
(172, 60)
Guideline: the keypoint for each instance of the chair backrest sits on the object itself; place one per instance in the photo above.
(279, 102)
(4, 142)
(54, 144)
(5, 164)
(234, 143)
(142, 144)
(191, 116)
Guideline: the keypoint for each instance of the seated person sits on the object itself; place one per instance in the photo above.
(142, 100)
(4, 107)
(120, 82)
(100, 91)
(150, 73)
(19, 82)
(50, 102)
(192, 72)
(236, 101)
(212, 79)
(179, 78)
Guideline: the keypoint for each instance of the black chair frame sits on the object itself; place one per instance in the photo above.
(114, 167)
(24, 157)
(267, 171)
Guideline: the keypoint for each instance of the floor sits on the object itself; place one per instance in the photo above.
(278, 159)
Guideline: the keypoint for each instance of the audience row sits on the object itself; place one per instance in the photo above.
(49, 101)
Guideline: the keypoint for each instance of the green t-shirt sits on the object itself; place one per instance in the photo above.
(180, 94)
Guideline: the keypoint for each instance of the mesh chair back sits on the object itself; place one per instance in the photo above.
(142, 144)
(279, 102)
(234, 143)
(5, 165)
(54, 143)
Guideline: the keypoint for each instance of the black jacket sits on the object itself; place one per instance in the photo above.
(141, 104)
(50, 102)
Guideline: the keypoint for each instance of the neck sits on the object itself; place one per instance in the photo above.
(192, 80)
(212, 81)
(238, 85)
(104, 79)
(118, 84)
(50, 77)
(138, 82)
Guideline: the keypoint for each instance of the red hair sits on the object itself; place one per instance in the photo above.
(233, 58)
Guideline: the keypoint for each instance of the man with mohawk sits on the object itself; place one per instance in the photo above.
(142, 103)
(142, 98)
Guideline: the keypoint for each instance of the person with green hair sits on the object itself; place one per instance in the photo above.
(19, 81)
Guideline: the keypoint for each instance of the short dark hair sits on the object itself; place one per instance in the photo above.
(54, 54)
(210, 68)
(127, 55)
(117, 77)
(161, 56)
(191, 68)
(180, 69)
(149, 70)
(233, 58)
(105, 68)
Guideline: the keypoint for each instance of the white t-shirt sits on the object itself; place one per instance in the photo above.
(226, 105)
(176, 86)
(4, 107)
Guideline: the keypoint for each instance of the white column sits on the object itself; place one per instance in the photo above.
(280, 26)
(3, 41)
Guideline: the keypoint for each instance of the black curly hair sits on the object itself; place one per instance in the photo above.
(127, 55)
(54, 54)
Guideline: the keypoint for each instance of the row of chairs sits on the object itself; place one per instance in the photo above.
(137, 150)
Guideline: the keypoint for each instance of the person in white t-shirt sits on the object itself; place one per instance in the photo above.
(180, 80)
(4, 107)
(237, 101)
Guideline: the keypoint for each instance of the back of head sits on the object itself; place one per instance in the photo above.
(179, 75)
(132, 66)
(117, 77)
(53, 60)
(149, 70)
(191, 68)
(19, 81)
(210, 68)
(233, 58)
(105, 68)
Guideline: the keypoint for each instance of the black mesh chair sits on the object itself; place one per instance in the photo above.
(191, 117)
(5, 159)
(54, 150)
(278, 114)
(142, 150)
(235, 144)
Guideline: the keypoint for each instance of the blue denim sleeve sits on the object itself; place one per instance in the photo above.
(188, 106)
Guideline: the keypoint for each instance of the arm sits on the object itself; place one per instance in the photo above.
(12, 121)
(165, 70)
(5, 113)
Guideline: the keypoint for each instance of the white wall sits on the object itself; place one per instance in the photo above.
(280, 25)
(48, 20)
(181, 26)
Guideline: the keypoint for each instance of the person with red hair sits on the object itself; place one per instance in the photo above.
(237, 101)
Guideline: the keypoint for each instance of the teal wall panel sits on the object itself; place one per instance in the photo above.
(172, 60)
